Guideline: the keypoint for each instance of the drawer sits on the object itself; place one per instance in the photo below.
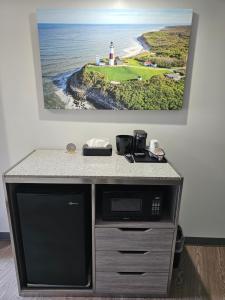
(131, 283)
(132, 261)
(134, 239)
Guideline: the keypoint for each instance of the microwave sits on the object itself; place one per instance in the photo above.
(132, 204)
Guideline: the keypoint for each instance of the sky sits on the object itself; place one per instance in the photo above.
(115, 16)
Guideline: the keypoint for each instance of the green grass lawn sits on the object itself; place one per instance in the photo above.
(123, 73)
(133, 62)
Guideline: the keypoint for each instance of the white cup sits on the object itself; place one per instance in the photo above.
(153, 145)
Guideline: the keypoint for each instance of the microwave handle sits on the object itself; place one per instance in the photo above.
(136, 229)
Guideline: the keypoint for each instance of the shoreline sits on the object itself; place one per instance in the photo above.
(135, 50)
(69, 101)
(140, 43)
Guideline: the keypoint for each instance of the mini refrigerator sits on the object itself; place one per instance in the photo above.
(55, 226)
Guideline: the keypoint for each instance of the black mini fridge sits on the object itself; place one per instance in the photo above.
(55, 225)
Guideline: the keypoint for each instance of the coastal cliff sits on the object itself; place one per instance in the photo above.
(84, 91)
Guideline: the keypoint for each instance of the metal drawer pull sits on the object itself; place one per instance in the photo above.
(136, 229)
(131, 273)
(133, 252)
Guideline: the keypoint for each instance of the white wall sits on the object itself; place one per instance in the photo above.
(193, 138)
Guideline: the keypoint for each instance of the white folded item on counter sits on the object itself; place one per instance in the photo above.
(97, 143)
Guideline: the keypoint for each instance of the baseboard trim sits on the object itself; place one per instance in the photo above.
(200, 241)
(4, 236)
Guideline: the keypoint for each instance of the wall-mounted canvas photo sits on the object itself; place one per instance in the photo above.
(117, 59)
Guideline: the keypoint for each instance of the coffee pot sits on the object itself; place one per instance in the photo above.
(140, 137)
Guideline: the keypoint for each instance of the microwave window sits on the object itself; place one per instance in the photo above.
(126, 204)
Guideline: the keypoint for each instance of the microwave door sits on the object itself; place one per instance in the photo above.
(126, 204)
(122, 206)
(126, 208)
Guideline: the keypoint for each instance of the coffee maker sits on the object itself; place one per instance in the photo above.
(140, 137)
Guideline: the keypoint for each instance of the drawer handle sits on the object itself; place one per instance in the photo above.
(133, 252)
(136, 229)
(131, 273)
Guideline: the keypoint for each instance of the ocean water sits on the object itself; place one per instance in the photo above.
(64, 48)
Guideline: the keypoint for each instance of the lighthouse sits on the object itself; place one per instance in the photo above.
(111, 54)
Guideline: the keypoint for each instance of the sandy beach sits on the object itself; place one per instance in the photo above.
(140, 46)
(135, 50)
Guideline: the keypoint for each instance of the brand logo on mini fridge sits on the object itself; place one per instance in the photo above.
(73, 203)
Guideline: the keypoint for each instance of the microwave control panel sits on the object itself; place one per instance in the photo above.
(156, 206)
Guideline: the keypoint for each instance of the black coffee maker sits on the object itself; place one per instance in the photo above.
(140, 137)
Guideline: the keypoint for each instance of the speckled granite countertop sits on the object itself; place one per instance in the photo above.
(58, 163)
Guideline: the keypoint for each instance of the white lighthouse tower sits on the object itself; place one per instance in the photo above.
(111, 54)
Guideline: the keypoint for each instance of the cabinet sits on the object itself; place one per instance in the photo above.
(139, 262)
(133, 257)
(126, 258)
